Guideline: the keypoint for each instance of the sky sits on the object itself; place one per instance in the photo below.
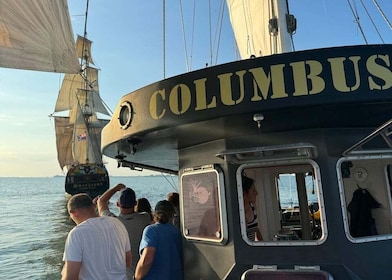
(128, 49)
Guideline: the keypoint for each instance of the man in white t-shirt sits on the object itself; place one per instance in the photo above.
(135, 222)
(97, 247)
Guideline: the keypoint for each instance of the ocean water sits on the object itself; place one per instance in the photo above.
(34, 221)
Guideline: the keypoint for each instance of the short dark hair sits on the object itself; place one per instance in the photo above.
(127, 198)
(164, 211)
(80, 201)
(246, 183)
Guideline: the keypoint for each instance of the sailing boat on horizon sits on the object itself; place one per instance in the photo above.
(78, 133)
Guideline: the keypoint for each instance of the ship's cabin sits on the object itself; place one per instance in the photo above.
(291, 205)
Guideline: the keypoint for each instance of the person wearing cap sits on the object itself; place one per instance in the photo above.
(133, 221)
(85, 253)
(161, 247)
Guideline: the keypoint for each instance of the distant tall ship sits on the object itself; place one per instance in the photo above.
(78, 133)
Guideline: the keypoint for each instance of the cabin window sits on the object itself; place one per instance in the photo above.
(203, 205)
(286, 201)
(365, 187)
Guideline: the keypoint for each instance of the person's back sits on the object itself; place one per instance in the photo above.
(161, 247)
(135, 224)
(101, 239)
(166, 238)
(97, 247)
(143, 205)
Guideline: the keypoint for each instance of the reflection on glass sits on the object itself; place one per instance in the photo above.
(201, 205)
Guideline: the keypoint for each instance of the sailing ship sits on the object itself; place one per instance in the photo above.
(78, 134)
(319, 116)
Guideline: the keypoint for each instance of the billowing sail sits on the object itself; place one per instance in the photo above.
(83, 49)
(37, 35)
(64, 135)
(87, 142)
(254, 36)
(87, 80)
(79, 133)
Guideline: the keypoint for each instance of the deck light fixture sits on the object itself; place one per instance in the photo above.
(258, 118)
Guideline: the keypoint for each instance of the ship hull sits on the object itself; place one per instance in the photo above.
(92, 179)
(290, 114)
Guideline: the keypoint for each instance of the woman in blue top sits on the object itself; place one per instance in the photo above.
(161, 247)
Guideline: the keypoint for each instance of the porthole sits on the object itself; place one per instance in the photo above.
(126, 115)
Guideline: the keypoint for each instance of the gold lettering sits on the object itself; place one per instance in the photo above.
(179, 99)
(379, 71)
(318, 84)
(301, 79)
(269, 83)
(339, 76)
(226, 89)
(201, 96)
(154, 104)
(262, 81)
(278, 85)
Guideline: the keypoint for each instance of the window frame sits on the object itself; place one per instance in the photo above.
(278, 165)
(344, 205)
(220, 199)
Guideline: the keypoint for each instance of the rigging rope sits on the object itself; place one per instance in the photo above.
(193, 33)
(84, 35)
(248, 43)
(212, 38)
(356, 19)
(172, 183)
(164, 37)
(382, 13)
(371, 19)
(210, 31)
(184, 38)
(273, 39)
(219, 29)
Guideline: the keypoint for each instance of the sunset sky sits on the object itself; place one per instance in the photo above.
(127, 47)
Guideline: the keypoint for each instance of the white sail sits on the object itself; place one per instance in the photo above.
(254, 36)
(87, 82)
(64, 134)
(79, 97)
(86, 144)
(83, 49)
(37, 35)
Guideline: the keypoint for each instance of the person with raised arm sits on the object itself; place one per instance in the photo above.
(134, 222)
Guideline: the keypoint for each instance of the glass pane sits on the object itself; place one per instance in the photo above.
(201, 206)
(366, 190)
(286, 201)
(291, 227)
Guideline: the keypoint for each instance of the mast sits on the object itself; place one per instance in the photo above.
(286, 25)
(256, 38)
(86, 110)
(78, 135)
